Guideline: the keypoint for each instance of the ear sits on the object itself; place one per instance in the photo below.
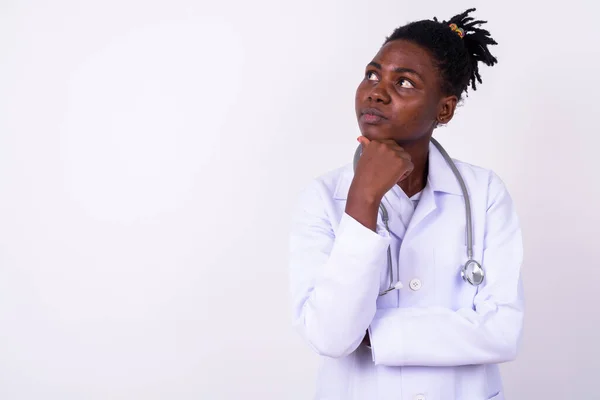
(446, 109)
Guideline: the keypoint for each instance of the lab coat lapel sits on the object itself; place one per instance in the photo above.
(440, 179)
(426, 206)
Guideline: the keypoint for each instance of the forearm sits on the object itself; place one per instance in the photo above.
(442, 337)
(335, 308)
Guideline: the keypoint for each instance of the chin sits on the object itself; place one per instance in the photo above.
(375, 132)
(383, 132)
(378, 132)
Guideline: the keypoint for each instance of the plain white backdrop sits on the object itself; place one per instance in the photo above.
(151, 151)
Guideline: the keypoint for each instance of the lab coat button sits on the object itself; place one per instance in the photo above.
(415, 284)
(420, 397)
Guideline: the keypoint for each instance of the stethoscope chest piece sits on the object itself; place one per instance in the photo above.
(472, 273)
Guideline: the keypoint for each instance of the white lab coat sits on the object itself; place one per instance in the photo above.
(442, 341)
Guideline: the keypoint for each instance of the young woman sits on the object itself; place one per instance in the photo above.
(405, 265)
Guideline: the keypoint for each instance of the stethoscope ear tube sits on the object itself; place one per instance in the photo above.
(357, 154)
(472, 271)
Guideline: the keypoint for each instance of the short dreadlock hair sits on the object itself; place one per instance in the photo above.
(457, 57)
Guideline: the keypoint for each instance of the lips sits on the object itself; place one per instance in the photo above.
(372, 116)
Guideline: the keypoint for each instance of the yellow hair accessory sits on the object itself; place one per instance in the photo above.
(458, 30)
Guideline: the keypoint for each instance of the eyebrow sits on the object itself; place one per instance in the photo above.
(399, 70)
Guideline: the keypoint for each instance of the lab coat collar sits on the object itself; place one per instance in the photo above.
(440, 177)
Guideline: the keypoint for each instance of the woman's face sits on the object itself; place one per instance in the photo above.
(400, 97)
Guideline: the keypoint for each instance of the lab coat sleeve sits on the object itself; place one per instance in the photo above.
(489, 333)
(334, 277)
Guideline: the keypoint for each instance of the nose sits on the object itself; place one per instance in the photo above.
(379, 95)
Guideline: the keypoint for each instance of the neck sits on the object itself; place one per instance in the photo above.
(419, 152)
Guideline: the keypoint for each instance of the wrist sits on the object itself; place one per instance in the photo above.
(363, 196)
(363, 207)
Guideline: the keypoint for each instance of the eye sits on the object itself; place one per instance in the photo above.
(371, 76)
(405, 83)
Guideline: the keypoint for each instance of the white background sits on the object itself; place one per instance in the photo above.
(151, 151)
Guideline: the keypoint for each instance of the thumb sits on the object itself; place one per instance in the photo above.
(363, 141)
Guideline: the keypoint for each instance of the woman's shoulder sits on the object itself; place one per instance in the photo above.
(332, 179)
(472, 170)
(483, 179)
(475, 171)
(328, 186)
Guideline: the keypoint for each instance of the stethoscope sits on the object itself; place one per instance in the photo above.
(472, 271)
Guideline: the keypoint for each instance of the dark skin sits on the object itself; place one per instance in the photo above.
(398, 105)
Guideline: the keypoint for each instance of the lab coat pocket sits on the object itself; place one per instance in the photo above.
(497, 396)
(451, 290)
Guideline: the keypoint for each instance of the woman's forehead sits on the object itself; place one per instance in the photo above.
(404, 54)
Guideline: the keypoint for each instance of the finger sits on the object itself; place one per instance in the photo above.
(407, 173)
(405, 155)
(391, 142)
(404, 176)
